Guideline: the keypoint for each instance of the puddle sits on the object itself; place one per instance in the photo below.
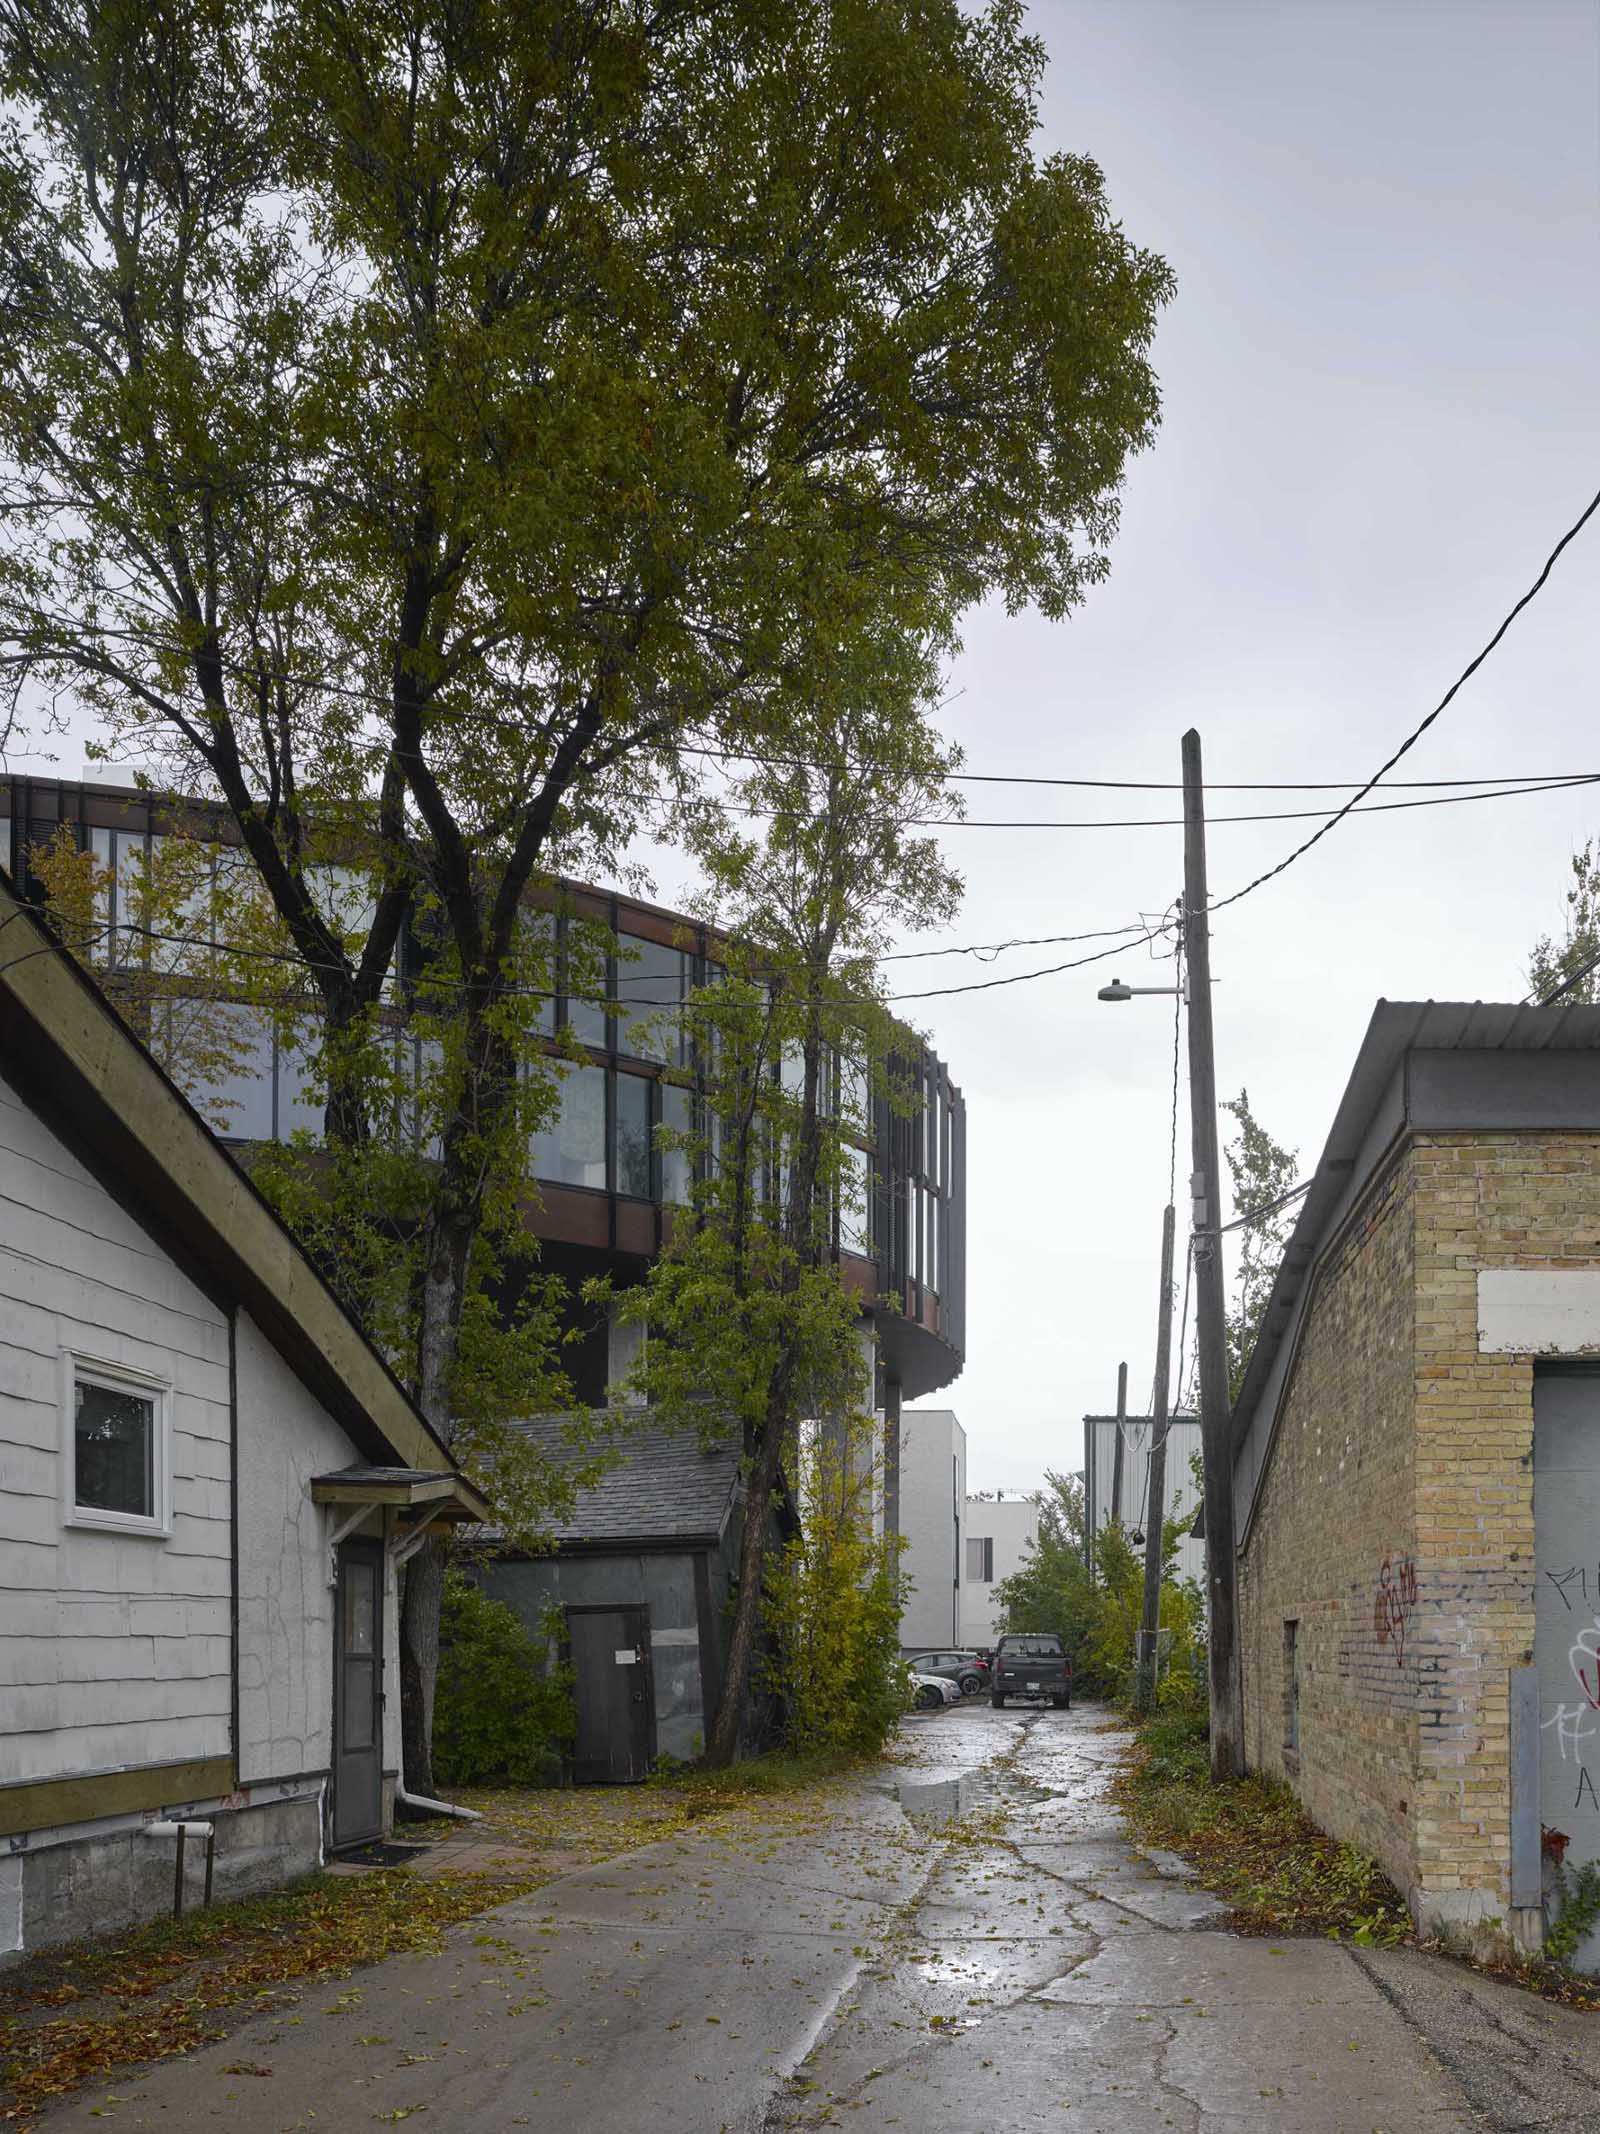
(943, 1800)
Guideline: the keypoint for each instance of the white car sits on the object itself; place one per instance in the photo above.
(928, 1692)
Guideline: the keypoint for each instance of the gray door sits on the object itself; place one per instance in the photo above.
(358, 1694)
(616, 1718)
(1566, 1525)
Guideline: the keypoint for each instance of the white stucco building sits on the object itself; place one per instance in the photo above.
(932, 1516)
(207, 1480)
(999, 1532)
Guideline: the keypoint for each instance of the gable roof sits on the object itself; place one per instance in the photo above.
(662, 1488)
(77, 1061)
(1448, 1066)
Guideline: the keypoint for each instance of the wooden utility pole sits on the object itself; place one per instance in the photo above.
(1211, 1334)
(1156, 1508)
(1116, 1448)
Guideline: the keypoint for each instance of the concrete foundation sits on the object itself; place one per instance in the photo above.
(66, 1885)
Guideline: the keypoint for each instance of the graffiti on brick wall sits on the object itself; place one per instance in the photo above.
(1393, 1603)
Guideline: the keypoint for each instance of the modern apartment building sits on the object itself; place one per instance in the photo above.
(933, 1518)
(999, 1532)
(607, 1193)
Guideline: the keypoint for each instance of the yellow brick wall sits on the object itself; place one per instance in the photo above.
(1400, 1442)
(1335, 1505)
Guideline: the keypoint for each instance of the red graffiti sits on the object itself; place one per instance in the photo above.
(1392, 1604)
(1553, 1843)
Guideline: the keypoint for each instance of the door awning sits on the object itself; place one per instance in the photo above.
(434, 1492)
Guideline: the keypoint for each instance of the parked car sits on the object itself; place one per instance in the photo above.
(1029, 1663)
(928, 1692)
(965, 1669)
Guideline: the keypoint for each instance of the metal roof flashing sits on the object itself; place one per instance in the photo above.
(1445, 1065)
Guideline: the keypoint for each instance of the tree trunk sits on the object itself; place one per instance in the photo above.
(419, 1664)
(723, 1747)
(443, 1294)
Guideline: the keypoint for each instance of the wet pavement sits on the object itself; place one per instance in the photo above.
(966, 1942)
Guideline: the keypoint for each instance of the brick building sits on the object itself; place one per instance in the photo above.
(1417, 1467)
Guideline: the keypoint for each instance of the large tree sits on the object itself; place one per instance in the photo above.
(751, 1324)
(420, 419)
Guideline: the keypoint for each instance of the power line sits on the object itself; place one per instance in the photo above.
(1566, 986)
(516, 992)
(1443, 704)
(1175, 822)
(1138, 785)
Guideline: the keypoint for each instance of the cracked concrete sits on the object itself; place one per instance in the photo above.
(1052, 1976)
(966, 1945)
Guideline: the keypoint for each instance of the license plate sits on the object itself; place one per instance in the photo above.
(1033, 1685)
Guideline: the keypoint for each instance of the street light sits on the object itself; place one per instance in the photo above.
(1118, 991)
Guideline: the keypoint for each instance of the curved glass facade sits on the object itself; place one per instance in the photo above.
(620, 971)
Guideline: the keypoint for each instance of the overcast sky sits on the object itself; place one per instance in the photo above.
(1382, 406)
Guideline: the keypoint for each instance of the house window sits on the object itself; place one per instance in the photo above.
(1291, 1688)
(114, 1448)
(980, 1559)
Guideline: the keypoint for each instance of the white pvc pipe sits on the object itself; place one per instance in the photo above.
(421, 1800)
(161, 1828)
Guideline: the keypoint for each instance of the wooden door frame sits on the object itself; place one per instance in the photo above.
(639, 1608)
(365, 1546)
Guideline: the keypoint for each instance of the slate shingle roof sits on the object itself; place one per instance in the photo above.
(661, 1487)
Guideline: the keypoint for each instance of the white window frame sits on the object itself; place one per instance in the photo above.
(80, 1369)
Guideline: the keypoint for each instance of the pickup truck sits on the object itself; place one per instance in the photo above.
(1030, 1663)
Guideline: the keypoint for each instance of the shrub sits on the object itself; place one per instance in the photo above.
(833, 1602)
(503, 1708)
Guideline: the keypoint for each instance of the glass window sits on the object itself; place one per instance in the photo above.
(114, 1450)
(677, 1164)
(980, 1559)
(651, 984)
(130, 888)
(301, 1098)
(572, 1151)
(633, 1136)
(345, 898)
(585, 965)
(360, 1608)
(237, 1098)
(432, 1096)
(853, 1106)
(855, 1228)
(104, 910)
(539, 956)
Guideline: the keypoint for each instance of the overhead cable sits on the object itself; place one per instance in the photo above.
(1175, 822)
(1417, 732)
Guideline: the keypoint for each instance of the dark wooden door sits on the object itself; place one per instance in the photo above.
(616, 1715)
(358, 1694)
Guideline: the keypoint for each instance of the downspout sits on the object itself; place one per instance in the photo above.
(233, 1545)
(423, 1802)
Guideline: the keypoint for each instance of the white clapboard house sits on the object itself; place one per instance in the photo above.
(208, 1478)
